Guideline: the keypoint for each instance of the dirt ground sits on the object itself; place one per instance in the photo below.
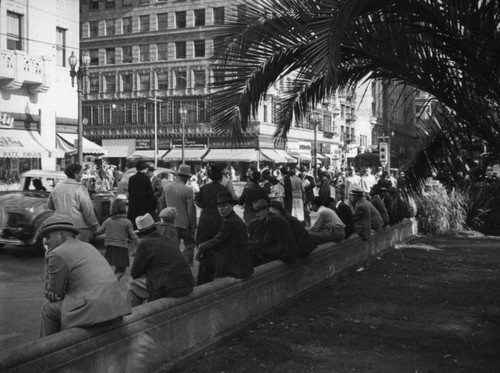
(430, 305)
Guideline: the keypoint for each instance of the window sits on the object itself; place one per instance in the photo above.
(199, 48)
(162, 20)
(110, 83)
(127, 54)
(180, 80)
(110, 56)
(94, 84)
(94, 4)
(143, 2)
(144, 82)
(219, 16)
(180, 49)
(199, 79)
(199, 17)
(241, 13)
(94, 57)
(126, 83)
(93, 29)
(127, 25)
(60, 47)
(144, 53)
(14, 31)
(218, 76)
(162, 81)
(110, 4)
(162, 51)
(144, 23)
(141, 113)
(128, 113)
(110, 27)
(180, 19)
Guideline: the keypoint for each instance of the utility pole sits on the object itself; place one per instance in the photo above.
(155, 100)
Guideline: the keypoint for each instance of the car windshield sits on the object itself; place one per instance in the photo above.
(40, 183)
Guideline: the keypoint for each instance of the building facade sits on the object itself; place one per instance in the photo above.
(35, 87)
(147, 53)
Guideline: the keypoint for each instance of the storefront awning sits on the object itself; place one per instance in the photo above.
(146, 155)
(190, 154)
(274, 155)
(302, 157)
(284, 154)
(118, 148)
(89, 147)
(24, 144)
(235, 155)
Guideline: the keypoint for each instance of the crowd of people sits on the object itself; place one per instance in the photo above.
(82, 289)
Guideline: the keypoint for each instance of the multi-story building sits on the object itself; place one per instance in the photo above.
(156, 52)
(35, 89)
(390, 110)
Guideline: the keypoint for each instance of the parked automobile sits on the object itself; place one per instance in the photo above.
(26, 209)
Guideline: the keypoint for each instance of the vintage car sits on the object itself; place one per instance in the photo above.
(23, 212)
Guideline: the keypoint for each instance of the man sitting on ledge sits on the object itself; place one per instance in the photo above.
(159, 258)
(79, 283)
(328, 227)
(277, 241)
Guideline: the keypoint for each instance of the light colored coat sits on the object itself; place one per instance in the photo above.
(78, 272)
(72, 199)
(180, 196)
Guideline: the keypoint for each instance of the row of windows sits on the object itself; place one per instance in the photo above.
(130, 82)
(143, 112)
(112, 4)
(146, 23)
(148, 52)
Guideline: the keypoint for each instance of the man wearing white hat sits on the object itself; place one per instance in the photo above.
(80, 285)
(180, 196)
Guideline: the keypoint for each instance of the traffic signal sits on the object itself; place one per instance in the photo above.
(383, 150)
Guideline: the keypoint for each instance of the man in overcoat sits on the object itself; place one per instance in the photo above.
(141, 199)
(80, 285)
(229, 248)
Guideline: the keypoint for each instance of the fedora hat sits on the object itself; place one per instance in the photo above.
(224, 196)
(356, 190)
(185, 170)
(260, 204)
(145, 223)
(58, 223)
(141, 165)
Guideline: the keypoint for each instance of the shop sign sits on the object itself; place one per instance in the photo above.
(227, 142)
(6, 121)
(142, 144)
(194, 142)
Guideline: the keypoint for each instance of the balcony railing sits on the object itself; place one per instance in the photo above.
(18, 68)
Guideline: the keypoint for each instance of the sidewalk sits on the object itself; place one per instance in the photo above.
(431, 305)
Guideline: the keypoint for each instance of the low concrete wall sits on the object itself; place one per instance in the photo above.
(164, 332)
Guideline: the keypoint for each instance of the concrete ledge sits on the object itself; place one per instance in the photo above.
(162, 333)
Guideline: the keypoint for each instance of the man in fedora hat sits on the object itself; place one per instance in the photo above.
(141, 199)
(276, 241)
(180, 196)
(227, 253)
(80, 285)
(159, 259)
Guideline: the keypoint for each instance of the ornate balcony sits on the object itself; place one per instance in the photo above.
(18, 68)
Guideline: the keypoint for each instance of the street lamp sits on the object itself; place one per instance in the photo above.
(183, 113)
(315, 121)
(156, 127)
(80, 75)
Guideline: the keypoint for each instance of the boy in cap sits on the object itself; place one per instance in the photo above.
(166, 227)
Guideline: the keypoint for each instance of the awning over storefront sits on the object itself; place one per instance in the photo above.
(147, 155)
(235, 155)
(24, 144)
(118, 148)
(285, 155)
(302, 157)
(89, 147)
(274, 155)
(190, 154)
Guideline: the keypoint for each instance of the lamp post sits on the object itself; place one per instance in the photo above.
(315, 122)
(80, 75)
(155, 100)
(183, 113)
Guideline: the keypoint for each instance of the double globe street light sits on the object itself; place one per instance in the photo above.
(80, 76)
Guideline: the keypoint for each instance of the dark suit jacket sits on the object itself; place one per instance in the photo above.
(230, 246)
(305, 243)
(344, 212)
(165, 267)
(250, 194)
(141, 199)
(380, 206)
